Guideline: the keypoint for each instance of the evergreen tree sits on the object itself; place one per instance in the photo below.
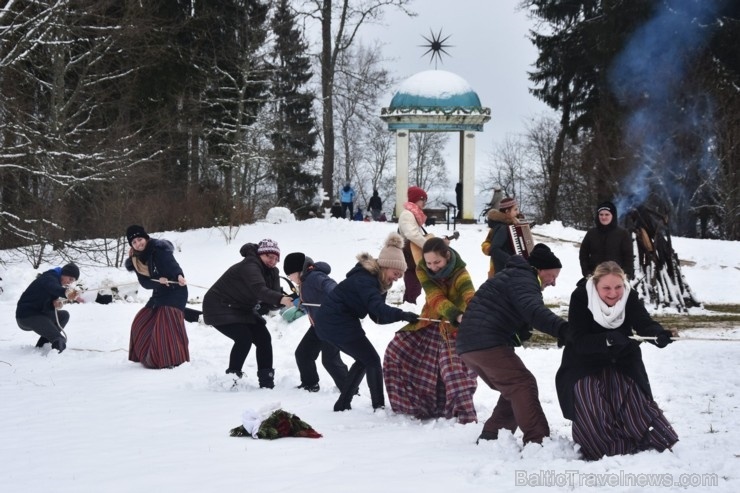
(294, 135)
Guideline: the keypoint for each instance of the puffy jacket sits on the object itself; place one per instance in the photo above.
(315, 285)
(244, 292)
(347, 194)
(39, 296)
(159, 258)
(357, 296)
(504, 308)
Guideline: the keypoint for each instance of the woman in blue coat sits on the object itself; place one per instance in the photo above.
(158, 337)
(363, 293)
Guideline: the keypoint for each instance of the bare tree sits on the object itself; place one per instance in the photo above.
(340, 22)
(427, 168)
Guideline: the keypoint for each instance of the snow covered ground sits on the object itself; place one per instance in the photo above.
(88, 420)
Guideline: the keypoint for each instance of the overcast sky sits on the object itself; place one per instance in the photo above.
(489, 48)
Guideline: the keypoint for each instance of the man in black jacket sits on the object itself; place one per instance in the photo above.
(607, 241)
(39, 306)
(498, 318)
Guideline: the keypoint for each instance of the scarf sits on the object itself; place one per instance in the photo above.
(445, 271)
(419, 215)
(609, 317)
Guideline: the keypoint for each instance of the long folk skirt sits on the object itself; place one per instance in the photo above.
(425, 377)
(158, 338)
(615, 417)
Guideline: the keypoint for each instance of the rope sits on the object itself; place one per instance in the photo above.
(717, 339)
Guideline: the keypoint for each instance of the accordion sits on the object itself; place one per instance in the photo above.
(521, 239)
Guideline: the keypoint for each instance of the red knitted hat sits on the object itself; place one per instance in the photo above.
(416, 194)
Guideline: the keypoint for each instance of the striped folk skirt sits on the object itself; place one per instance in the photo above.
(425, 377)
(614, 417)
(158, 338)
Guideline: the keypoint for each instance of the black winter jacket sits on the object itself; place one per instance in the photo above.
(586, 351)
(609, 242)
(359, 295)
(159, 258)
(501, 248)
(235, 296)
(504, 307)
(39, 296)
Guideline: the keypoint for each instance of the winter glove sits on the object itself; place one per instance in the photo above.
(663, 338)
(616, 339)
(409, 317)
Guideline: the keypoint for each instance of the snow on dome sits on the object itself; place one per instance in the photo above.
(435, 88)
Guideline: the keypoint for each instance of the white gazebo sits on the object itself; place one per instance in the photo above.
(436, 101)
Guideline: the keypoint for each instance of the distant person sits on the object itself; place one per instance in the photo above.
(237, 301)
(313, 282)
(336, 210)
(411, 227)
(339, 320)
(358, 215)
(158, 336)
(602, 383)
(607, 241)
(423, 373)
(39, 307)
(375, 205)
(499, 241)
(459, 199)
(382, 218)
(347, 197)
(499, 317)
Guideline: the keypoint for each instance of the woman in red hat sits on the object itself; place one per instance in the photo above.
(411, 228)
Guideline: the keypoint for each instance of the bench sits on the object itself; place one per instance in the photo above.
(434, 215)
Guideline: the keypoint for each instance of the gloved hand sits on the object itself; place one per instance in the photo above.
(617, 339)
(409, 317)
(663, 338)
(296, 301)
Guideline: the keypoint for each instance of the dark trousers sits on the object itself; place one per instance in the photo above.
(348, 206)
(412, 284)
(244, 335)
(367, 362)
(519, 405)
(45, 324)
(308, 351)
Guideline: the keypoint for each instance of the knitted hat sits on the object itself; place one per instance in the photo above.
(391, 256)
(293, 263)
(71, 270)
(506, 203)
(607, 206)
(416, 194)
(268, 246)
(135, 231)
(541, 258)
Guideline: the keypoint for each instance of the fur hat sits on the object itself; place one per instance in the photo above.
(506, 203)
(135, 231)
(71, 270)
(293, 263)
(391, 256)
(541, 258)
(268, 246)
(416, 194)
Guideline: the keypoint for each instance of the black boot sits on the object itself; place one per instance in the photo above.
(354, 378)
(42, 341)
(266, 377)
(60, 344)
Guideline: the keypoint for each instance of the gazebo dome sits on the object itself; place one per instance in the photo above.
(437, 101)
(435, 89)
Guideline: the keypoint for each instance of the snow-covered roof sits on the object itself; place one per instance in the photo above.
(435, 89)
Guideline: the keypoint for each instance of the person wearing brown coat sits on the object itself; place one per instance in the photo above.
(235, 304)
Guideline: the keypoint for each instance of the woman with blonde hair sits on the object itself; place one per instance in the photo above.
(602, 383)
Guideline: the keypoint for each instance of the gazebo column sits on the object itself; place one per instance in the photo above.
(467, 175)
(402, 169)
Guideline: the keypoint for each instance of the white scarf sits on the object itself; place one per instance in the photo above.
(609, 317)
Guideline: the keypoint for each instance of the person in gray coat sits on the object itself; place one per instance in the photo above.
(235, 304)
(499, 317)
